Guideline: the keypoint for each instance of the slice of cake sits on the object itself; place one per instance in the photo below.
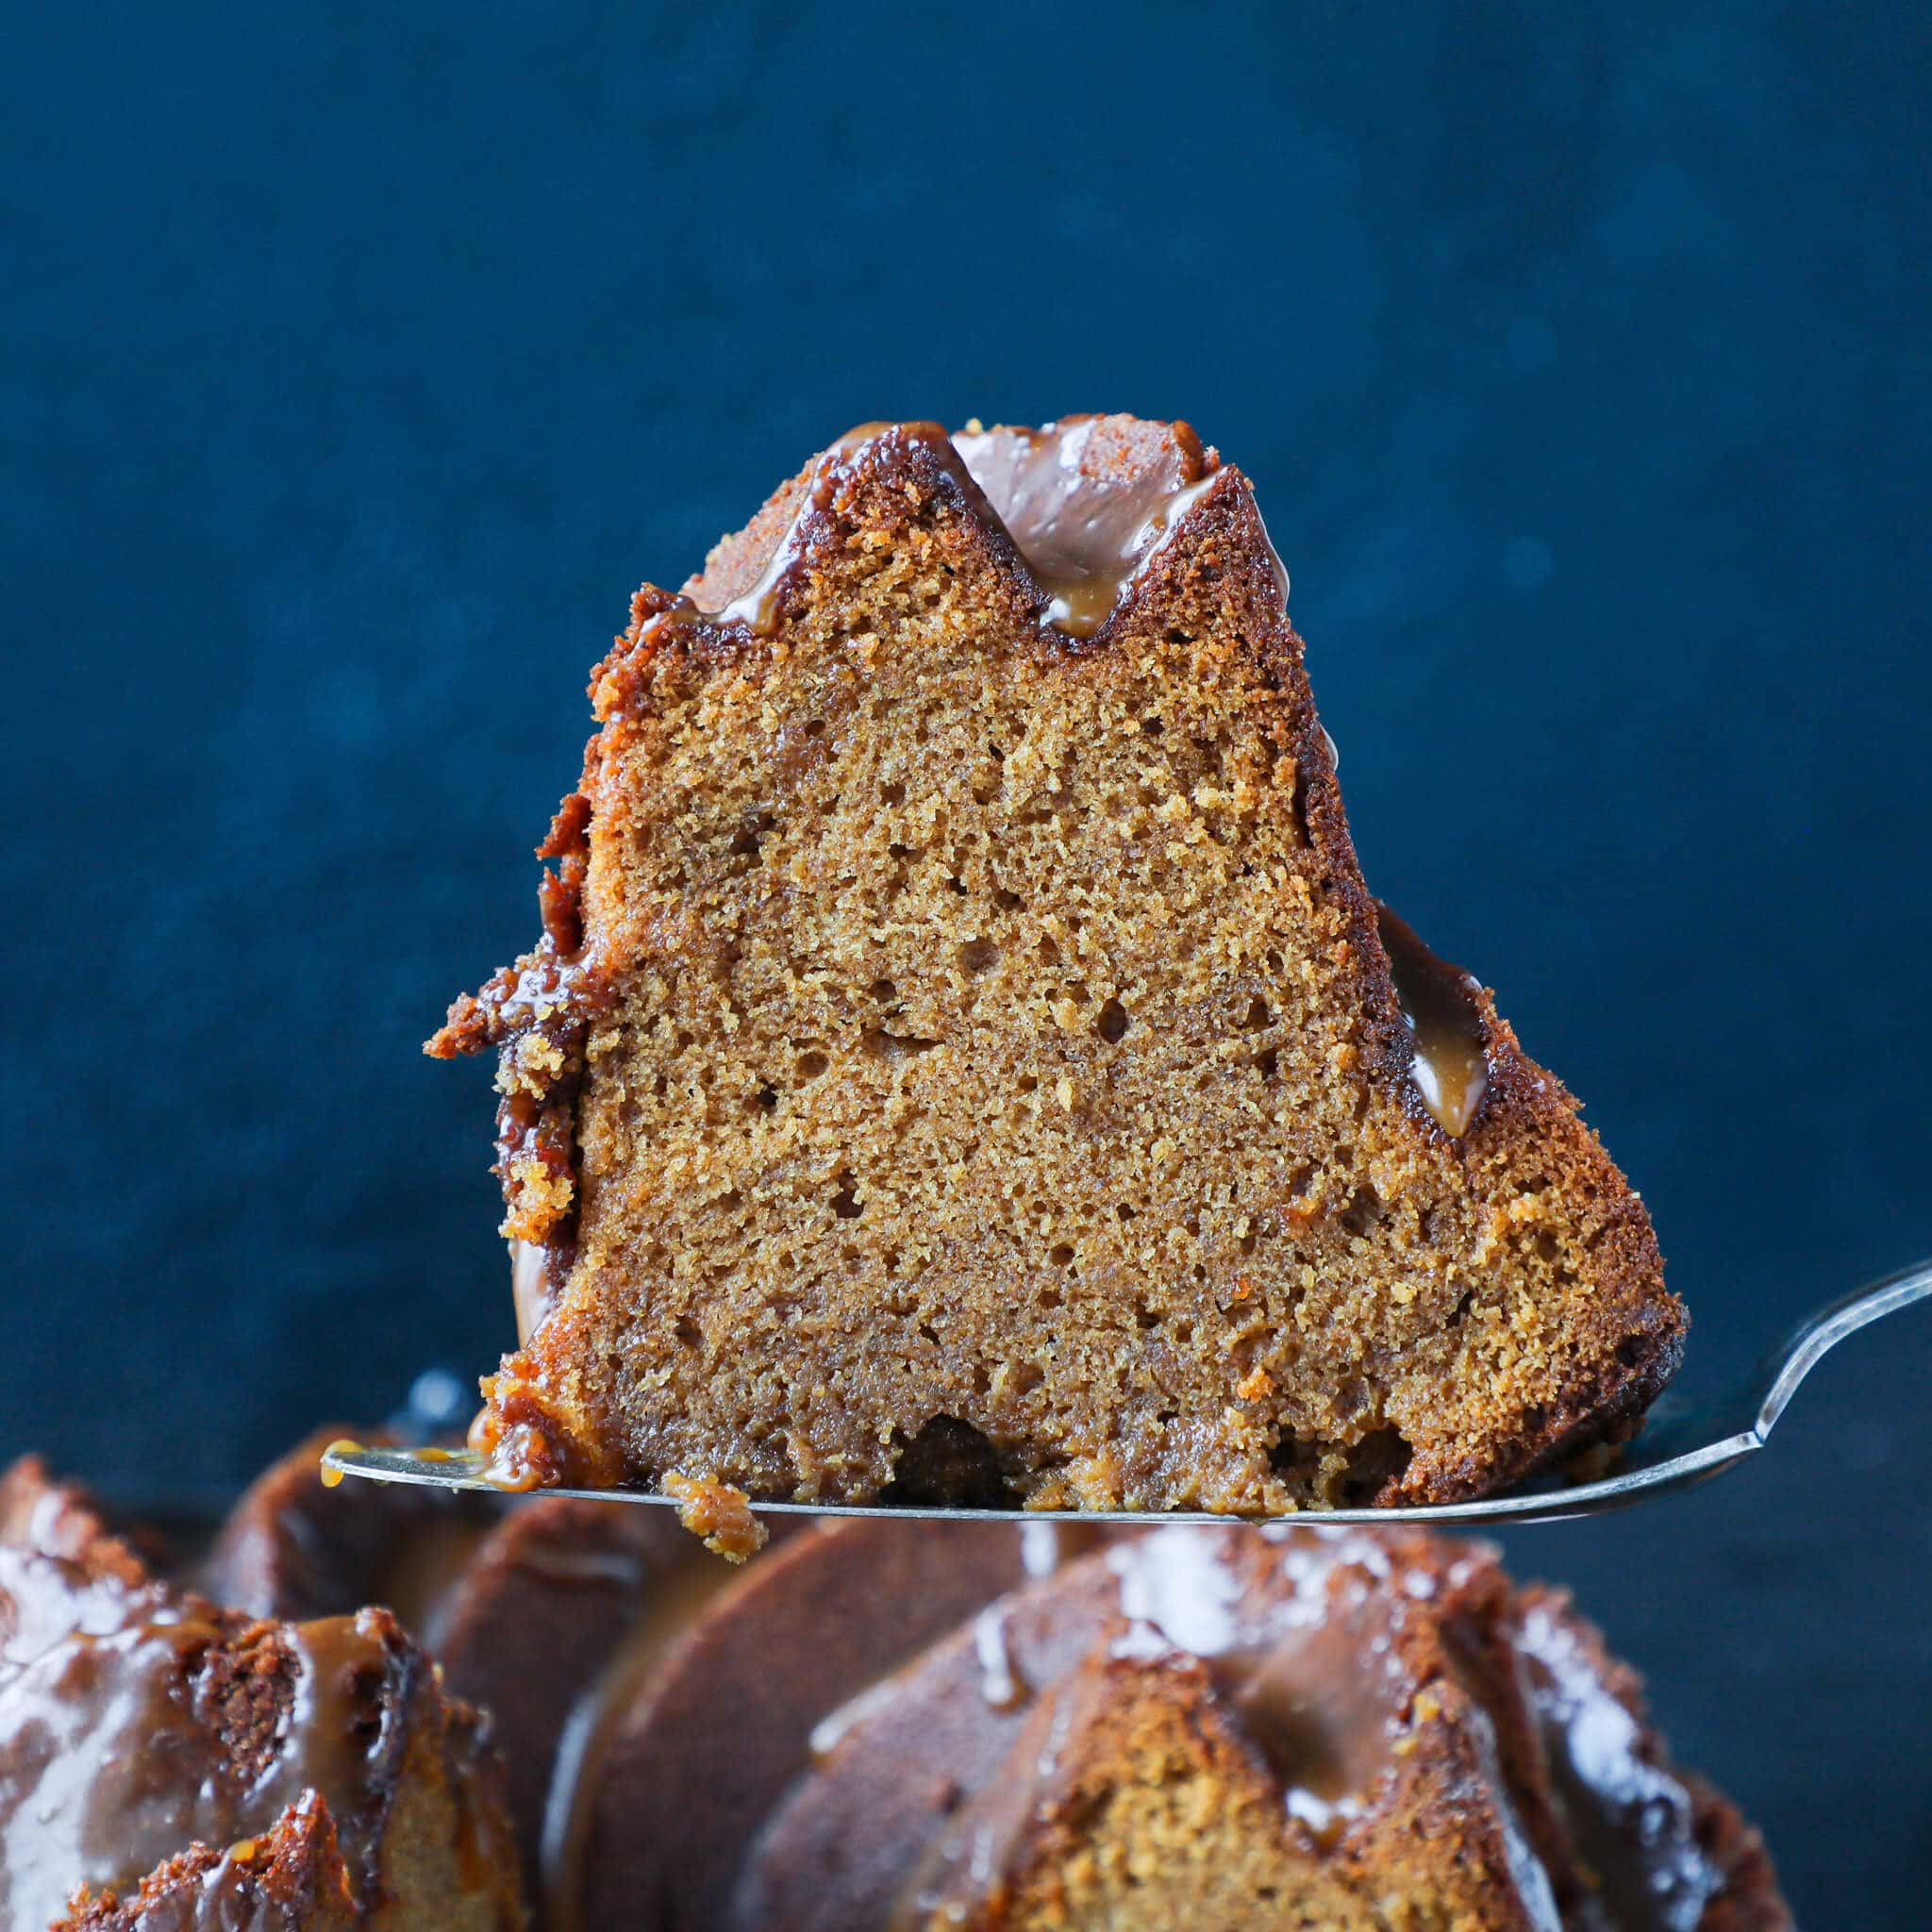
(962, 1051)
(167, 1763)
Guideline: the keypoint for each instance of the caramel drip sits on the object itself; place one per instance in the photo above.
(758, 607)
(343, 1445)
(1315, 1680)
(517, 1456)
(343, 1715)
(128, 1746)
(1084, 525)
(1309, 1670)
(1450, 1067)
(1083, 532)
(1323, 1710)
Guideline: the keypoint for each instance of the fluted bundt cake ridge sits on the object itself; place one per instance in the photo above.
(881, 1724)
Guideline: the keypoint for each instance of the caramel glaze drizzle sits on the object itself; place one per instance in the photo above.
(1085, 518)
(1450, 1066)
(1317, 1679)
(1317, 1683)
(1083, 531)
(132, 1742)
(1312, 1675)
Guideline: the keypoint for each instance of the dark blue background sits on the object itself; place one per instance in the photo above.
(358, 361)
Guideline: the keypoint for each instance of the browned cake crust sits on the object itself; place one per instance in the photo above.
(162, 1756)
(527, 1604)
(959, 1007)
(289, 1879)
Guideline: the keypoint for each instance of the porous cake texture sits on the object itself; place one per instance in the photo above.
(962, 1055)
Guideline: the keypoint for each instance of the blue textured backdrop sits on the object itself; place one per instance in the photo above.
(360, 360)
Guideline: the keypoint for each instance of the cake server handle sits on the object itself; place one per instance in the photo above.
(1776, 1378)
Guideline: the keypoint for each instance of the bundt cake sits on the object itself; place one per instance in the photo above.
(168, 1764)
(1286, 1727)
(623, 1679)
(886, 1724)
(961, 1043)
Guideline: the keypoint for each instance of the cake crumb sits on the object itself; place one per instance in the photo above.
(719, 1515)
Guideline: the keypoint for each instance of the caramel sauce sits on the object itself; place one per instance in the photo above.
(1083, 531)
(1084, 534)
(1324, 1719)
(343, 1445)
(758, 607)
(121, 1756)
(516, 1460)
(1310, 1672)
(1451, 1064)
(830, 1729)
(1315, 1680)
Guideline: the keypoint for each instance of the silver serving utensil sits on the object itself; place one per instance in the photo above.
(1682, 1444)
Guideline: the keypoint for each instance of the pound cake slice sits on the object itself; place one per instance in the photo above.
(167, 1763)
(963, 1058)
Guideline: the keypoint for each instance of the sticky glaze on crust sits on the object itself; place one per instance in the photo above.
(168, 1762)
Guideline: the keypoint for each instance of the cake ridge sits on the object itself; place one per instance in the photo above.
(1137, 488)
(1406, 1616)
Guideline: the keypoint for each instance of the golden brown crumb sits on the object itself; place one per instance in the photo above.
(719, 1515)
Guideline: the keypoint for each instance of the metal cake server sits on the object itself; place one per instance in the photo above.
(1683, 1444)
